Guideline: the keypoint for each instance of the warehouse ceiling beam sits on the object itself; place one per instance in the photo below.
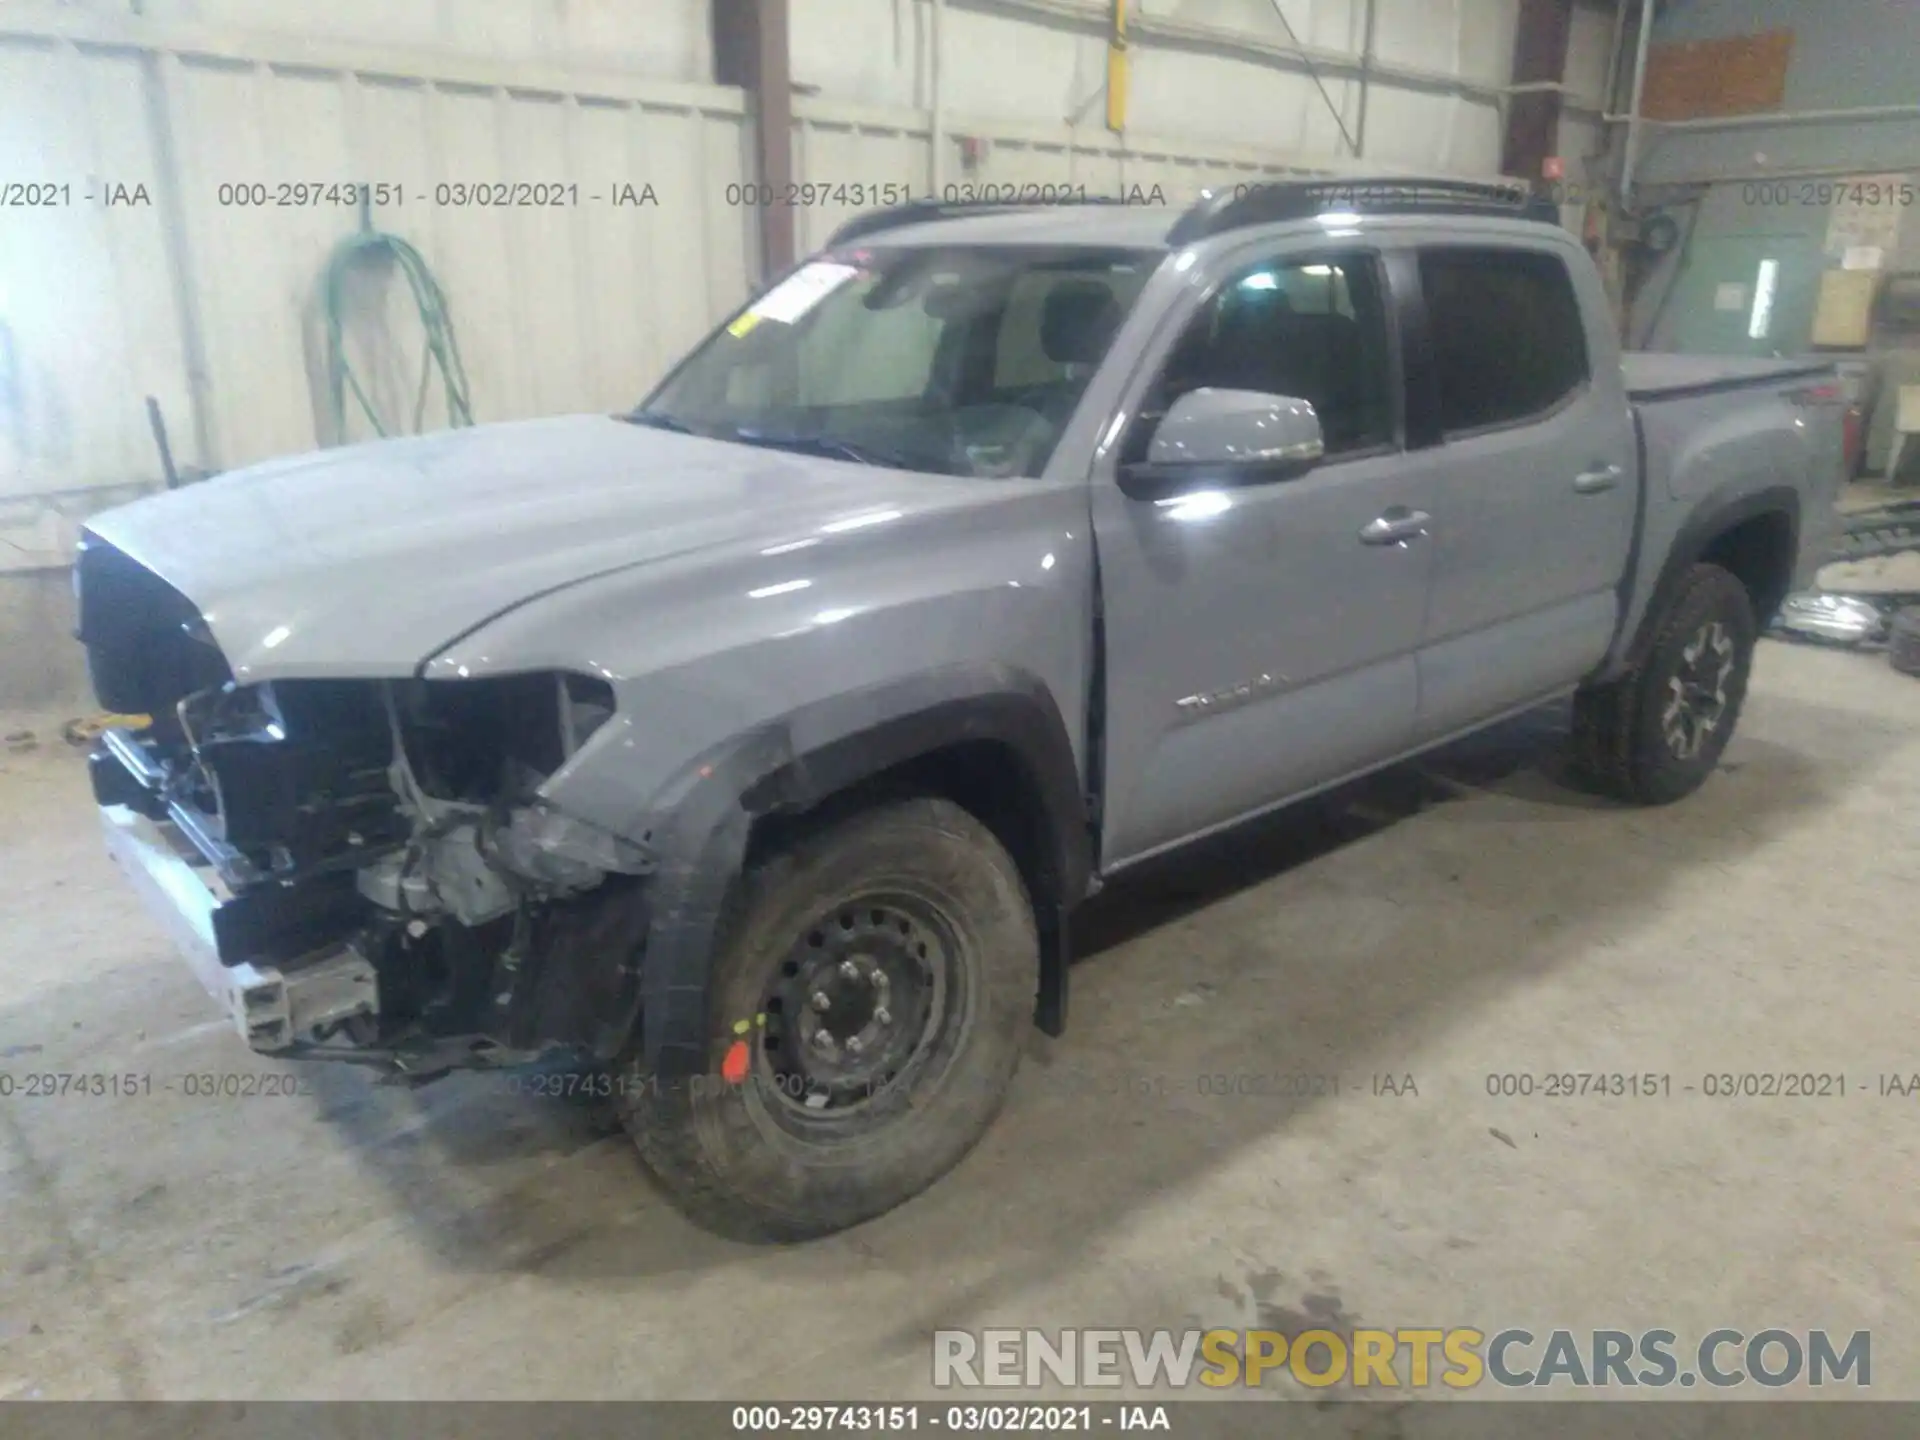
(1367, 58)
(1533, 105)
(750, 51)
(1118, 71)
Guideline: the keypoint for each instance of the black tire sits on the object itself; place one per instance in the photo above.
(1903, 641)
(749, 1157)
(1627, 737)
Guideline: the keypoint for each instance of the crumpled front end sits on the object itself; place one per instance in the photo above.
(364, 869)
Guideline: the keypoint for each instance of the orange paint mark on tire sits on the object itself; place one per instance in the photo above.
(733, 1069)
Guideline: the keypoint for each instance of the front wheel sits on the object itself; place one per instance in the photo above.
(868, 1006)
(1654, 735)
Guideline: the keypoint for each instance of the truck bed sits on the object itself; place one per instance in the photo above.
(1704, 419)
(1653, 375)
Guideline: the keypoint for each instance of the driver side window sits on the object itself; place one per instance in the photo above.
(1313, 328)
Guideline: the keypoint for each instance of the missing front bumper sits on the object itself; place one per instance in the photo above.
(275, 1008)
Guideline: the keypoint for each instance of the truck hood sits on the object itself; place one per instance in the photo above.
(366, 561)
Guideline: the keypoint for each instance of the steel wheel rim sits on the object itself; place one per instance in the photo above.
(1697, 690)
(857, 1005)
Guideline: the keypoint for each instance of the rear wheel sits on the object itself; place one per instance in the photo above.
(868, 1007)
(1654, 735)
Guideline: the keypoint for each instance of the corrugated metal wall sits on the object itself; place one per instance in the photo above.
(1281, 76)
(200, 193)
(179, 258)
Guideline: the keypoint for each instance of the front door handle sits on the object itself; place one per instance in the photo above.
(1395, 527)
(1601, 477)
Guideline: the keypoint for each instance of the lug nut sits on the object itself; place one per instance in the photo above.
(854, 1046)
(820, 1001)
(883, 1015)
(849, 970)
(822, 1040)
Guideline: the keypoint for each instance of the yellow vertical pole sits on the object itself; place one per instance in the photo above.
(1117, 69)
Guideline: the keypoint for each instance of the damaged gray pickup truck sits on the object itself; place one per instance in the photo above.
(753, 748)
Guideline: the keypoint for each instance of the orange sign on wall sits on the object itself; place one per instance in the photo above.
(1737, 76)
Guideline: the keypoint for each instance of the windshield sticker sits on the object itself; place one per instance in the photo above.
(800, 292)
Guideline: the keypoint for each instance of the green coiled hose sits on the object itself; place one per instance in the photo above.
(441, 350)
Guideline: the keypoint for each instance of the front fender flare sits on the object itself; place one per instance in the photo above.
(809, 755)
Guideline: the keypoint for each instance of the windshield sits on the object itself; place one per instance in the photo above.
(958, 361)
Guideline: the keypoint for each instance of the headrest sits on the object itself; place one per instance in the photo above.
(1078, 321)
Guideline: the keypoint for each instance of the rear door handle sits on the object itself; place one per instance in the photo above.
(1395, 527)
(1601, 477)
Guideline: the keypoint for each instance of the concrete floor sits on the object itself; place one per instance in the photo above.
(1467, 917)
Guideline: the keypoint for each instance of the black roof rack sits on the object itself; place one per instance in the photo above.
(1262, 202)
(921, 212)
(1266, 202)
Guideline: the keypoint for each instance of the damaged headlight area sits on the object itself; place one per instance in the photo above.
(475, 867)
(468, 761)
(387, 878)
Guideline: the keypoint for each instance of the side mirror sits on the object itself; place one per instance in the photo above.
(1226, 437)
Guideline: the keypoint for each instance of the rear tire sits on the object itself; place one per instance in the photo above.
(869, 1003)
(1654, 735)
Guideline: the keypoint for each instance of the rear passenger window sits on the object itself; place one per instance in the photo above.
(1506, 333)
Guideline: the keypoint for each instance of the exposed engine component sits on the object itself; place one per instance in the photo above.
(479, 869)
(556, 851)
(482, 856)
(391, 882)
(440, 874)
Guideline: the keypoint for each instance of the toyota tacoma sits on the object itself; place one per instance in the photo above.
(754, 747)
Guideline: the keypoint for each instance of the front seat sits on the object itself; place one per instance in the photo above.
(1077, 324)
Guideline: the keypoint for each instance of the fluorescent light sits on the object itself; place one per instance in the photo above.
(785, 587)
(1763, 286)
(1262, 281)
(1316, 270)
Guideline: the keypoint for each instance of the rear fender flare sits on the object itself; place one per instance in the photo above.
(1721, 510)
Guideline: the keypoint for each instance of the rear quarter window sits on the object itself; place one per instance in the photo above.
(1507, 334)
